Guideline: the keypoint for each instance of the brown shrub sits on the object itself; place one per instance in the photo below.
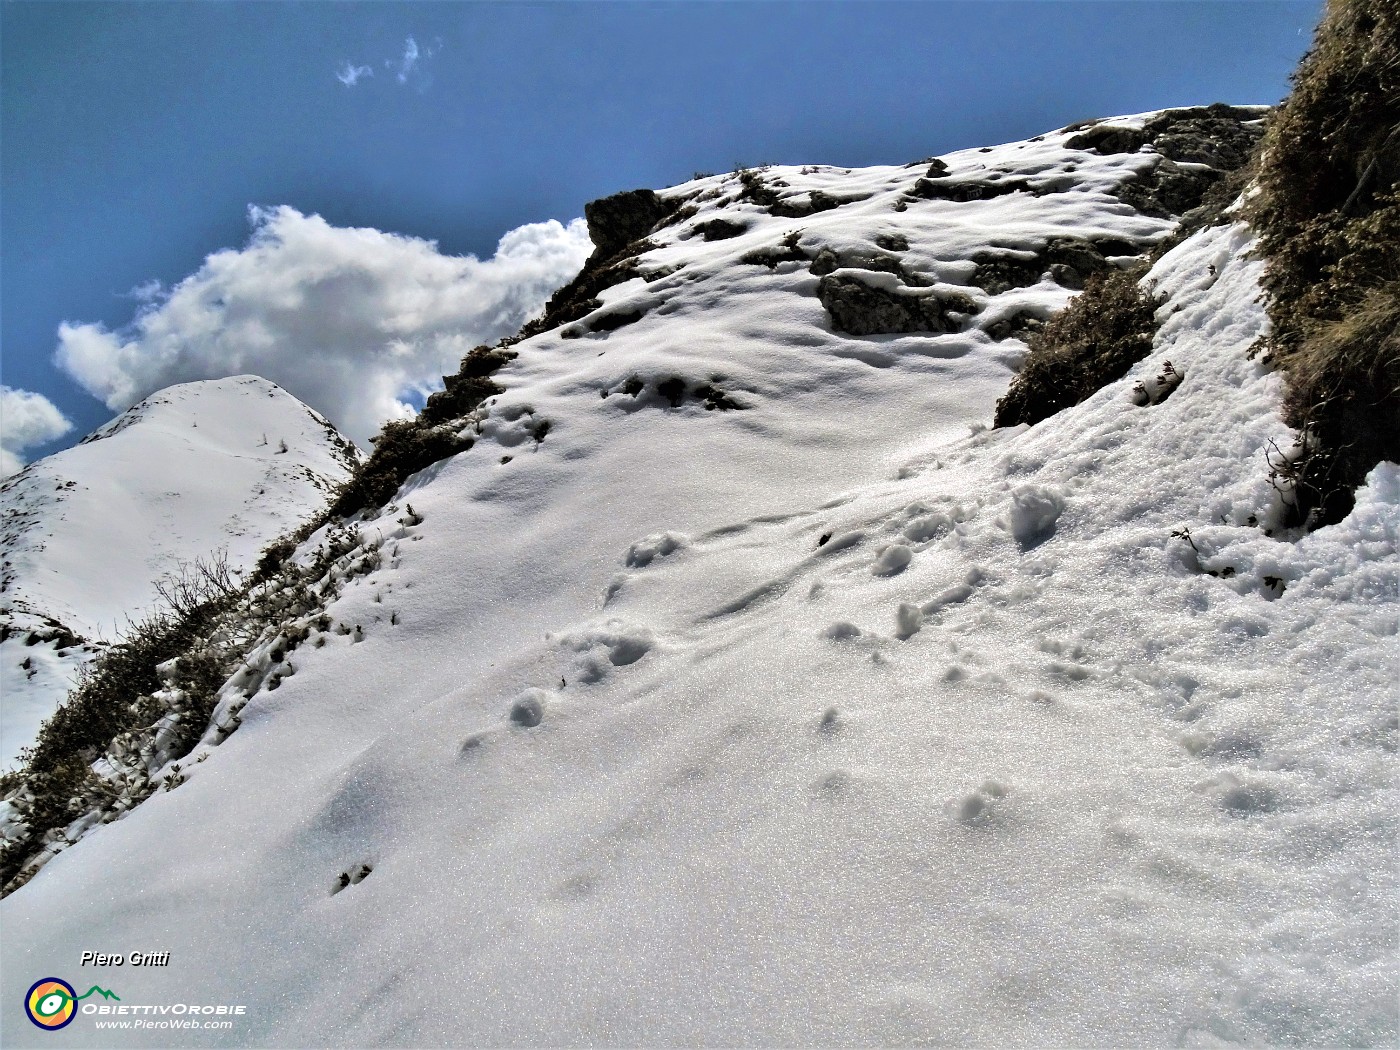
(1103, 332)
(1328, 218)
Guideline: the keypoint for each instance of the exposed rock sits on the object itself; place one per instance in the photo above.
(892, 242)
(1111, 246)
(1168, 189)
(817, 201)
(617, 225)
(828, 260)
(1219, 143)
(1067, 276)
(615, 320)
(1221, 137)
(1070, 263)
(1080, 125)
(936, 169)
(615, 222)
(788, 251)
(1015, 326)
(719, 229)
(1218, 135)
(963, 190)
(860, 309)
(997, 273)
(1105, 138)
(771, 257)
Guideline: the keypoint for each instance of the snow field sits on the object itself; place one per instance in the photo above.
(834, 719)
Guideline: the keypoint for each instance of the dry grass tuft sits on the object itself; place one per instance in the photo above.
(1328, 218)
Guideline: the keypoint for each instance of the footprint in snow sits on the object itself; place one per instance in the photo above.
(529, 707)
(1246, 800)
(473, 742)
(603, 646)
(909, 620)
(649, 548)
(979, 806)
(351, 877)
(841, 631)
(834, 784)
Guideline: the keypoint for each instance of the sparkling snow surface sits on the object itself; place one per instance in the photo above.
(998, 763)
(86, 532)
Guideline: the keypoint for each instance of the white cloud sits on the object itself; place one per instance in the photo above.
(26, 419)
(351, 321)
(408, 62)
(350, 74)
(408, 68)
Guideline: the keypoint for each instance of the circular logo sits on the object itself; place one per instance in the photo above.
(51, 1003)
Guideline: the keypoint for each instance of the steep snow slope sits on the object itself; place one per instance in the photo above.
(227, 464)
(836, 718)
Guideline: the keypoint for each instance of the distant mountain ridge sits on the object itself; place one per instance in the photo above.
(223, 465)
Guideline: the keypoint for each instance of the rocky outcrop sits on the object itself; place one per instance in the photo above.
(858, 308)
(1169, 189)
(828, 261)
(1018, 325)
(1069, 262)
(615, 222)
(1220, 137)
(618, 226)
(1107, 139)
(963, 190)
(719, 229)
(817, 201)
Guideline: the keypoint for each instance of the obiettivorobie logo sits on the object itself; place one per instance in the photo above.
(52, 1003)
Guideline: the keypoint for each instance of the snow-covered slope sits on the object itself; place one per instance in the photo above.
(836, 718)
(221, 465)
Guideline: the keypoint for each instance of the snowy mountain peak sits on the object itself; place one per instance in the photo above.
(218, 465)
(244, 414)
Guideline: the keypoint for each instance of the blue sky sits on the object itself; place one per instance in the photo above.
(135, 136)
